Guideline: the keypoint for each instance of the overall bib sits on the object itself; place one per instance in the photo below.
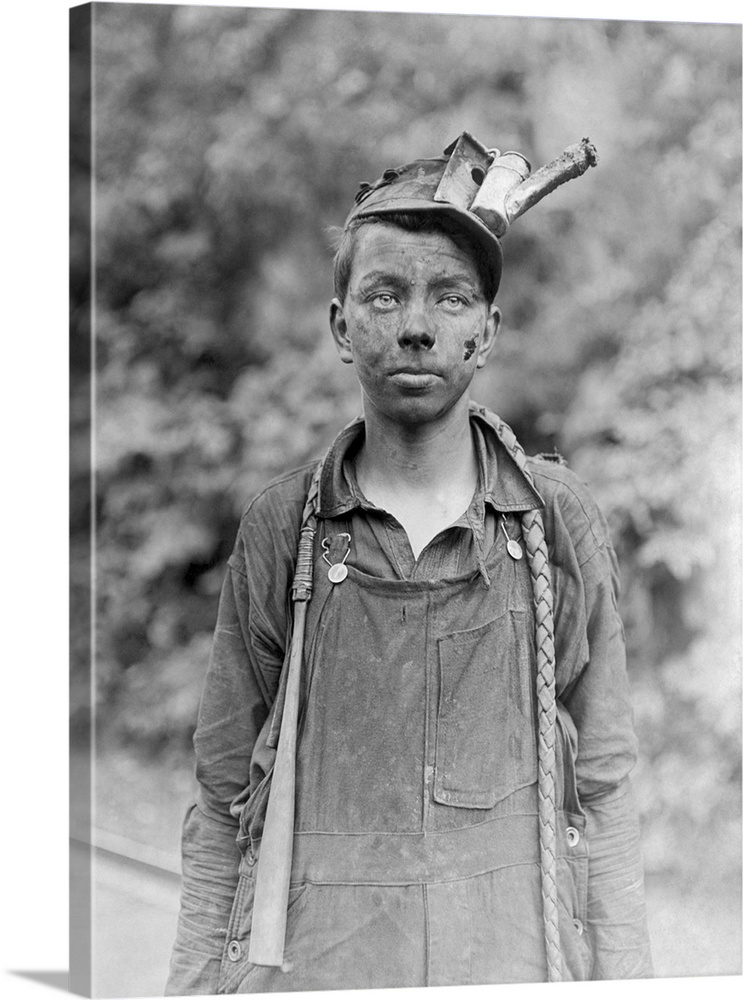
(416, 848)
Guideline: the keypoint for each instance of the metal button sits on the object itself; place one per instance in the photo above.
(250, 858)
(578, 924)
(234, 951)
(572, 836)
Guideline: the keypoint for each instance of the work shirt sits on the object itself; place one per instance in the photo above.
(416, 848)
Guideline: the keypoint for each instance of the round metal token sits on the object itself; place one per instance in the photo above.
(514, 549)
(337, 573)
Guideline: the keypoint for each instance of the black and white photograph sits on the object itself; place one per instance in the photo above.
(405, 499)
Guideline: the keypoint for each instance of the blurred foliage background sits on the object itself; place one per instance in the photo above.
(227, 141)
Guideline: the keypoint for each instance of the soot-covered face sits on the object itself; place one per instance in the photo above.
(415, 322)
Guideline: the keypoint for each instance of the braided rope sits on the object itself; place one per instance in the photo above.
(538, 558)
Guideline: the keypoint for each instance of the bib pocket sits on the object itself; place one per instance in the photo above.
(485, 735)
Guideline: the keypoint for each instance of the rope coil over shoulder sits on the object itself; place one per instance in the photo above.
(268, 932)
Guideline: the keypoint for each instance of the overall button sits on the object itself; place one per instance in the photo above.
(234, 951)
(250, 859)
(572, 836)
(578, 924)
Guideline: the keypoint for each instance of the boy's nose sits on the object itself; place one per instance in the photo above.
(416, 330)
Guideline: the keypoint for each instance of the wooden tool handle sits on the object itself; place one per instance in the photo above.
(268, 930)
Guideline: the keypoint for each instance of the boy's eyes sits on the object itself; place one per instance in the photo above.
(386, 300)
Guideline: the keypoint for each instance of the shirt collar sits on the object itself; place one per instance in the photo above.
(506, 488)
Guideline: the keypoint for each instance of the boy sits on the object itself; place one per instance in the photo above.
(416, 774)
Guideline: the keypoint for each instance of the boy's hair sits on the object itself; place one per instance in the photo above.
(411, 222)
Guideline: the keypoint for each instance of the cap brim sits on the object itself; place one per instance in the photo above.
(486, 240)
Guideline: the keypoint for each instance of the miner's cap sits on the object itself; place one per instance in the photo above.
(411, 189)
(479, 188)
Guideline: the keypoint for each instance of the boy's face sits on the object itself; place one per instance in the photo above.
(415, 322)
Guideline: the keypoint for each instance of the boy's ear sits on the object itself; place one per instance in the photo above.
(490, 335)
(339, 330)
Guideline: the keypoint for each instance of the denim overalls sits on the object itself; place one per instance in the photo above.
(416, 852)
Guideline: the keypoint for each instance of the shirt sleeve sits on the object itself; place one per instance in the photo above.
(234, 706)
(598, 699)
